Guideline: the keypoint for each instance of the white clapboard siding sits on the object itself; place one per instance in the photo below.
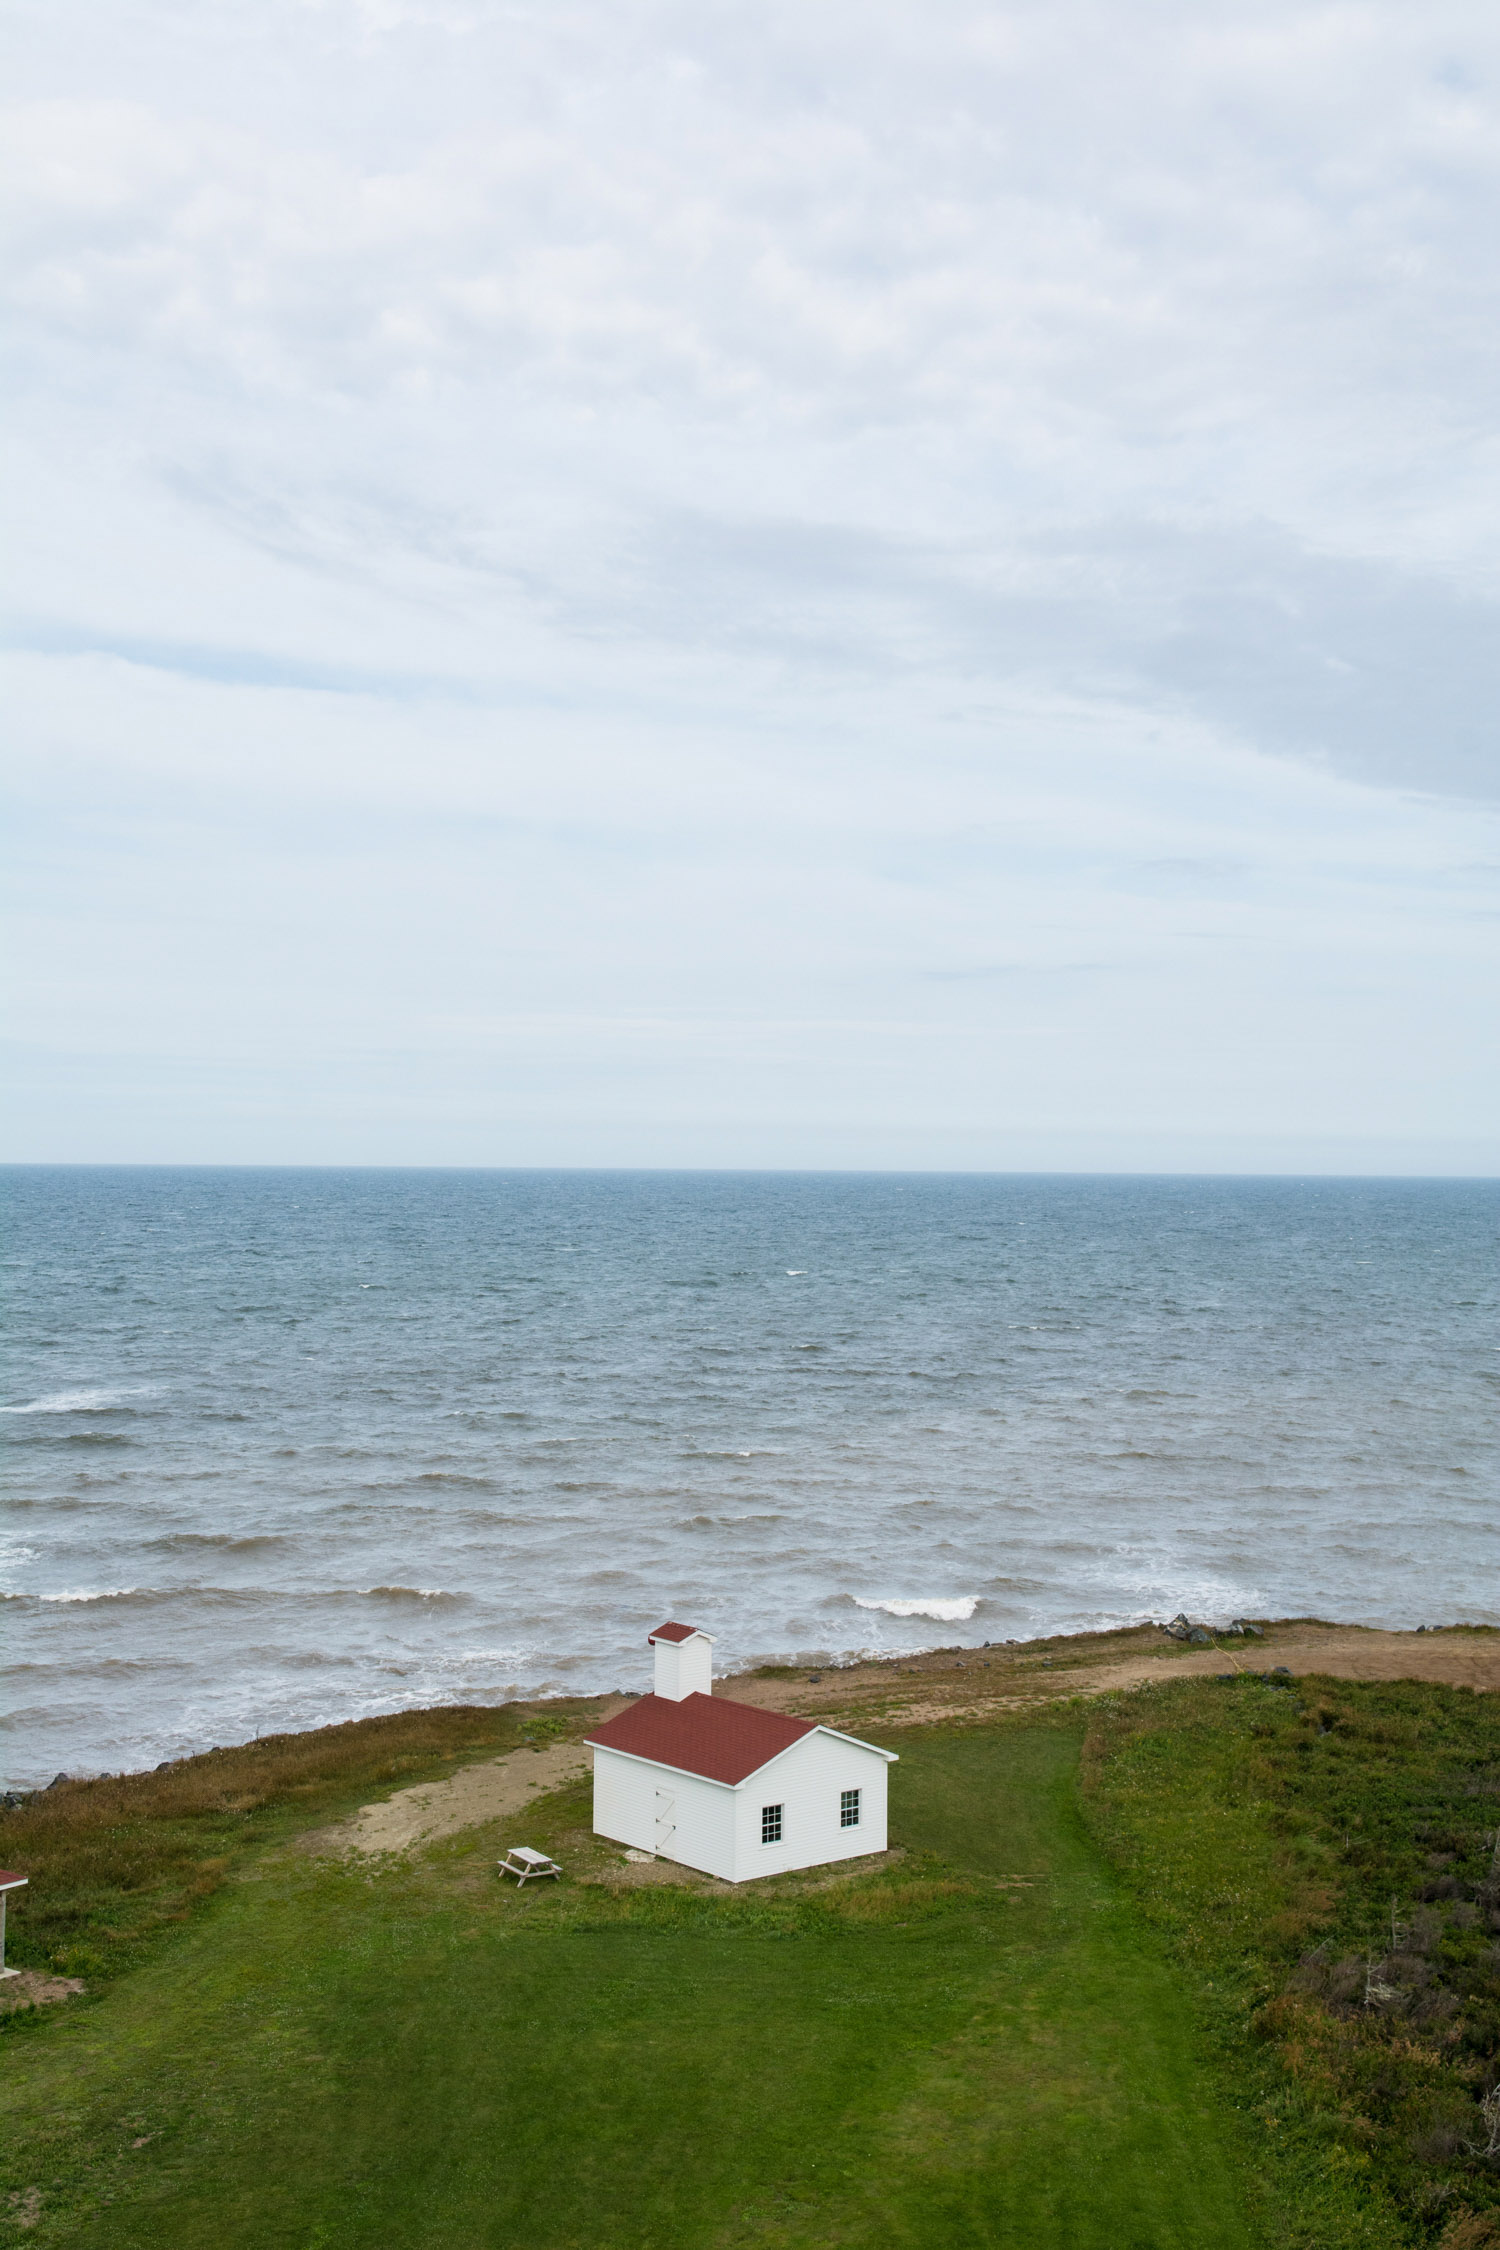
(716, 1827)
(807, 1782)
(626, 1792)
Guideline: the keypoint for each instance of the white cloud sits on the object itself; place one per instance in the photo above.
(664, 517)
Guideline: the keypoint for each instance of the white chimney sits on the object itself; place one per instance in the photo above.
(684, 1662)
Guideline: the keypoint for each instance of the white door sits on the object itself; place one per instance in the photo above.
(666, 1821)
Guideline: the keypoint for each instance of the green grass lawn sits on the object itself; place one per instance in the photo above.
(1079, 2012)
(414, 2057)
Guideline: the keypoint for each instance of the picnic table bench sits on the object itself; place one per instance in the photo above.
(525, 1864)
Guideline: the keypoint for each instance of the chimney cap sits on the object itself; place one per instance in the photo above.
(670, 1632)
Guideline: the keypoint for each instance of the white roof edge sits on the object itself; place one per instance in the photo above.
(637, 1760)
(891, 1757)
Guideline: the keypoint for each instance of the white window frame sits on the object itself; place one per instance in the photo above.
(851, 1800)
(772, 1823)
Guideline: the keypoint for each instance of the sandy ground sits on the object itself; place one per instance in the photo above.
(30, 1988)
(953, 1683)
(492, 1791)
(1343, 1652)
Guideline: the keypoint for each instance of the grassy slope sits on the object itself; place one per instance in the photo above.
(116, 1864)
(1133, 2015)
(931, 2056)
(1299, 1850)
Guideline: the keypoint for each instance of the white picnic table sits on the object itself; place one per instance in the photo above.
(525, 1864)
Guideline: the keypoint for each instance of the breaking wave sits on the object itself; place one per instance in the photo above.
(954, 1612)
(411, 1594)
(81, 1402)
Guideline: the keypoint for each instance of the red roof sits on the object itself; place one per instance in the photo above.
(673, 1633)
(7, 1879)
(704, 1734)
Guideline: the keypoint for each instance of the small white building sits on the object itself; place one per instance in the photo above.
(729, 1788)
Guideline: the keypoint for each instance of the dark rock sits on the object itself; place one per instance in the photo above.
(57, 1781)
(1224, 1675)
(1280, 1672)
(1243, 1625)
(1197, 1634)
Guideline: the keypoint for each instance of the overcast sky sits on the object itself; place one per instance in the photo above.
(893, 585)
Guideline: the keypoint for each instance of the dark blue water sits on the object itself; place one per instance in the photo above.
(284, 1447)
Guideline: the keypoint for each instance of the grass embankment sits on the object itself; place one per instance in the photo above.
(1325, 1860)
(113, 1865)
(976, 2044)
(1065, 2019)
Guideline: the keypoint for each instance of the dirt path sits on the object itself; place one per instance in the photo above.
(1343, 1652)
(954, 1683)
(492, 1791)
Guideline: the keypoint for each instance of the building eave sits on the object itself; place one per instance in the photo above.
(662, 1766)
(891, 1757)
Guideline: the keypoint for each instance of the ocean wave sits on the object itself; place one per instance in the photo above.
(82, 1402)
(101, 1594)
(732, 1452)
(222, 1542)
(951, 1612)
(411, 1594)
(298, 1597)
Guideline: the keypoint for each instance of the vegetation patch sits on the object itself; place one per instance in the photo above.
(1213, 1962)
(1325, 1856)
(115, 1863)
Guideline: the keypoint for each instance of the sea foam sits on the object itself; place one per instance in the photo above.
(956, 1611)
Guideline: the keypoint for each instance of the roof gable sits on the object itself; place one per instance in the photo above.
(678, 1633)
(703, 1734)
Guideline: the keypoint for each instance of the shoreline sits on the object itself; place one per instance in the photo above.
(966, 1680)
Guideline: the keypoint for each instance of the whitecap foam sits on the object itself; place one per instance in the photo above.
(411, 1594)
(81, 1402)
(101, 1594)
(952, 1612)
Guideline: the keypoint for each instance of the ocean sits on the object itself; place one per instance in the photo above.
(283, 1447)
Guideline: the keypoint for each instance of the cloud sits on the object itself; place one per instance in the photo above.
(774, 509)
